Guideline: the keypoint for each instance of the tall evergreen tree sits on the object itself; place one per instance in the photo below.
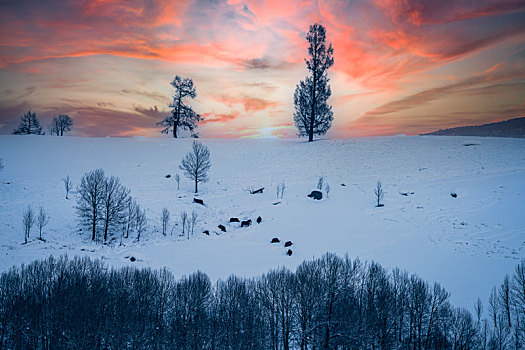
(29, 124)
(313, 115)
(182, 115)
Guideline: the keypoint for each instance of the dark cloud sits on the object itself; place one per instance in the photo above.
(150, 94)
(151, 112)
(264, 63)
(480, 84)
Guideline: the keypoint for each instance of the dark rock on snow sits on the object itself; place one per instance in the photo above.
(316, 195)
(234, 220)
(260, 190)
(275, 240)
(289, 252)
(198, 201)
(246, 223)
(222, 228)
(288, 244)
(259, 219)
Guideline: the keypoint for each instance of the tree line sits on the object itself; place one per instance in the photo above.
(327, 303)
(312, 113)
(30, 125)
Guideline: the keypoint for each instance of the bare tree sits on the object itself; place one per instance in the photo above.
(165, 218)
(131, 215)
(140, 222)
(42, 220)
(196, 164)
(378, 192)
(114, 204)
(28, 221)
(193, 222)
(183, 220)
(60, 124)
(327, 189)
(68, 185)
(320, 183)
(280, 190)
(91, 200)
(505, 299)
(177, 178)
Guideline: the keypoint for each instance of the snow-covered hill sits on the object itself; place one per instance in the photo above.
(466, 243)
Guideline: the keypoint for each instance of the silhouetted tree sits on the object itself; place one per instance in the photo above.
(196, 164)
(29, 124)
(60, 124)
(182, 115)
(312, 113)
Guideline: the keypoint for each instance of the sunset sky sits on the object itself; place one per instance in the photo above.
(401, 66)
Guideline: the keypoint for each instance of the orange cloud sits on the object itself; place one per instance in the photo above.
(119, 56)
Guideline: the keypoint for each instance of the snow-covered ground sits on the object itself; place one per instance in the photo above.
(466, 243)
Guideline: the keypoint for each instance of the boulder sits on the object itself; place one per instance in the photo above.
(317, 195)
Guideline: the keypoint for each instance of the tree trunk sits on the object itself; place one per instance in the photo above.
(177, 117)
(312, 113)
(106, 230)
(94, 224)
(196, 185)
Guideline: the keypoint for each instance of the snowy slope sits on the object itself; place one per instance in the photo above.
(466, 243)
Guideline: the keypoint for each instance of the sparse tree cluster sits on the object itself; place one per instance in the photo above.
(328, 303)
(182, 115)
(104, 206)
(60, 124)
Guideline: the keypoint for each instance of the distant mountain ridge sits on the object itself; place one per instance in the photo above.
(508, 128)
